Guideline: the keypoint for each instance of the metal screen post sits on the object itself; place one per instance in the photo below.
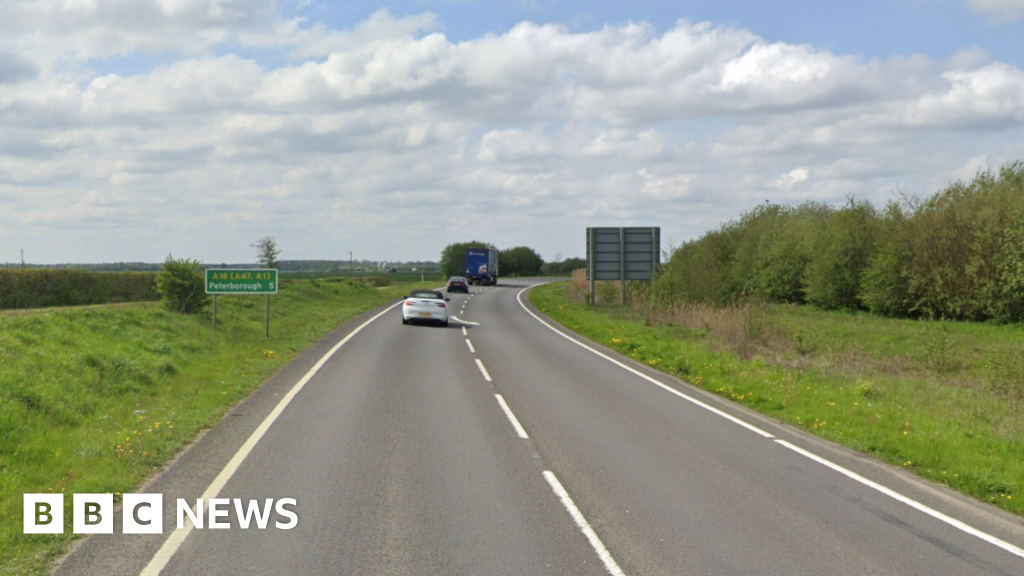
(214, 311)
(268, 316)
(655, 244)
(622, 266)
(593, 263)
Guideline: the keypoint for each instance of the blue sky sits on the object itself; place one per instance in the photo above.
(867, 28)
(130, 129)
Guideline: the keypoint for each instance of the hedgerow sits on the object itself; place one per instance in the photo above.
(43, 287)
(958, 254)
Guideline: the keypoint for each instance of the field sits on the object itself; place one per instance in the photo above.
(96, 399)
(379, 279)
(942, 399)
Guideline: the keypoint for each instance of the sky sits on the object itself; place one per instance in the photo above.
(134, 129)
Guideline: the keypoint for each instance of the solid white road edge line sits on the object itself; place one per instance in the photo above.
(577, 516)
(691, 399)
(470, 344)
(908, 501)
(483, 370)
(174, 541)
(966, 528)
(511, 417)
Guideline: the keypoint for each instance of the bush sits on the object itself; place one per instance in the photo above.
(783, 252)
(608, 292)
(885, 284)
(43, 287)
(700, 270)
(764, 254)
(1009, 302)
(181, 285)
(841, 249)
(957, 255)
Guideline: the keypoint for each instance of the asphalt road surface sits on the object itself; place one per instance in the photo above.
(505, 447)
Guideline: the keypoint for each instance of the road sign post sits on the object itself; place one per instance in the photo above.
(241, 281)
(622, 267)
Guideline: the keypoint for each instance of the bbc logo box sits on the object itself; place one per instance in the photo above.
(44, 514)
(143, 513)
(93, 514)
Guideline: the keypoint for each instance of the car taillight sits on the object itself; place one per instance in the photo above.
(408, 303)
(440, 304)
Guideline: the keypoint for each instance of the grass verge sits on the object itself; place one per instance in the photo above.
(95, 400)
(940, 399)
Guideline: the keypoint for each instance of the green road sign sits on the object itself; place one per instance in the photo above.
(241, 281)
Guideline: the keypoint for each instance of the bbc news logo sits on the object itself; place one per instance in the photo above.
(144, 513)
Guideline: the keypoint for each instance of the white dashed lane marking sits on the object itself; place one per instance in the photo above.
(483, 370)
(520, 431)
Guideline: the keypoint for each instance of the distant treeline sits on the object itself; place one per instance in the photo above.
(103, 267)
(958, 254)
(315, 266)
(518, 261)
(343, 266)
(563, 268)
(42, 287)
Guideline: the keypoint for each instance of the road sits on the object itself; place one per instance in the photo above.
(509, 446)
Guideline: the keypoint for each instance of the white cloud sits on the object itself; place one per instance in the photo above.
(513, 145)
(629, 144)
(971, 168)
(669, 187)
(52, 33)
(388, 138)
(1001, 9)
(380, 27)
(992, 95)
(791, 178)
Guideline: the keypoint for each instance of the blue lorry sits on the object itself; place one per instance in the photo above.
(482, 266)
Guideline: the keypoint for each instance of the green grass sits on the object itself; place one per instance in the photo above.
(97, 399)
(941, 399)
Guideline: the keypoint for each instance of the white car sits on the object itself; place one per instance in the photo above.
(425, 306)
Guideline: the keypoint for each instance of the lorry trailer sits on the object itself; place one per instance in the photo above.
(482, 266)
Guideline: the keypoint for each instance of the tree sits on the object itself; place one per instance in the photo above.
(519, 261)
(181, 285)
(453, 257)
(267, 251)
(570, 264)
(841, 251)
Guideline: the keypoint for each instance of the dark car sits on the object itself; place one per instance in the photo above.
(458, 284)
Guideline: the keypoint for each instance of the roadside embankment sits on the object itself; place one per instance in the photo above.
(942, 399)
(94, 400)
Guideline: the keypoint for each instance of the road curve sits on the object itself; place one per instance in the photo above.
(502, 446)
